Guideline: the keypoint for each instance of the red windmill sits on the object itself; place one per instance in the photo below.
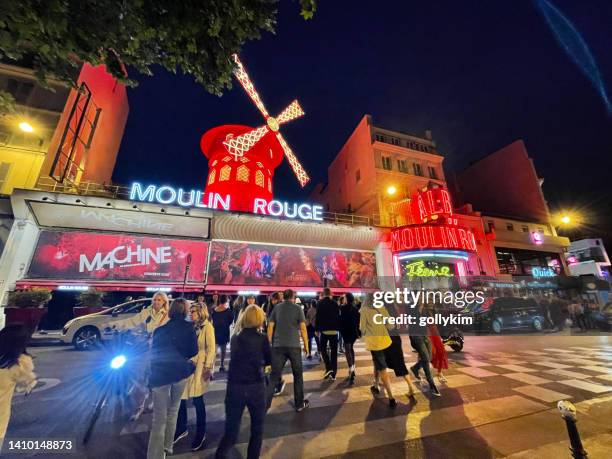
(242, 159)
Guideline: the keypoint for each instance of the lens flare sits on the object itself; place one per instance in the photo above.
(118, 362)
(575, 47)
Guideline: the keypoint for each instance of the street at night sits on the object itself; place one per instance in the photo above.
(500, 400)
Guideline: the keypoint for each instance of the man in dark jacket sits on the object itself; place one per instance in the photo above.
(327, 325)
(172, 348)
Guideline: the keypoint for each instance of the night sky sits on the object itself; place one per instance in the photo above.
(478, 74)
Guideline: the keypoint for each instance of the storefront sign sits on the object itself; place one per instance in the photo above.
(543, 271)
(79, 216)
(430, 205)
(422, 268)
(537, 238)
(169, 195)
(416, 237)
(243, 263)
(101, 256)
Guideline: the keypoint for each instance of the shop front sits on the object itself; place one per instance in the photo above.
(440, 249)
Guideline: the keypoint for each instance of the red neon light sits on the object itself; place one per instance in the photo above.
(431, 204)
(416, 237)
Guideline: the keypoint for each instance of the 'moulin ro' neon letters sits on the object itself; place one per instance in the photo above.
(417, 237)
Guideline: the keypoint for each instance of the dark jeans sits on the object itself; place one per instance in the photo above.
(237, 397)
(181, 422)
(280, 355)
(422, 345)
(312, 334)
(331, 363)
(349, 352)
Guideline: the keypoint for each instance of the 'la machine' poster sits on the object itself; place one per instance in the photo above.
(102, 256)
(234, 263)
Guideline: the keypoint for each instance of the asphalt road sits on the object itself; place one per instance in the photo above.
(499, 401)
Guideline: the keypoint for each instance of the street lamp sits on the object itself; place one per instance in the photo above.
(566, 219)
(391, 190)
(26, 127)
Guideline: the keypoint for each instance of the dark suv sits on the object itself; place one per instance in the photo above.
(510, 314)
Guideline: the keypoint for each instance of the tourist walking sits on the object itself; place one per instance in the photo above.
(222, 319)
(173, 346)
(349, 331)
(327, 325)
(420, 342)
(245, 383)
(311, 313)
(237, 307)
(286, 325)
(16, 370)
(439, 356)
(376, 339)
(199, 380)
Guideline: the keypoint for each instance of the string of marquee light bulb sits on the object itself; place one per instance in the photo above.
(238, 146)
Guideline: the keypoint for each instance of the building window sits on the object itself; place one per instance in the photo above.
(225, 173)
(242, 174)
(509, 226)
(211, 176)
(395, 141)
(386, 163)
(357, 176)
(432, 173)
(5, 168)
(20, 90)
(259, 179)
(349, 209)
(402, 166)
(380, 138)
(491, 225)
(418, 169)
(525, 229)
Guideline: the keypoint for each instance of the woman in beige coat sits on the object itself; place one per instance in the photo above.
(16, 370)
(198, 381)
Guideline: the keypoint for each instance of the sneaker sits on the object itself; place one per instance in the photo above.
(309, 357)
(332, 376)
(305, 404)
(375, 390)
(198, 443)
(278, 391)
(392, 403)
(327, 374)
(352, 378)
(435, 391)
(178, 436)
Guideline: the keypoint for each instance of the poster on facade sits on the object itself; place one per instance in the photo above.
(102, 256)
(242, 263)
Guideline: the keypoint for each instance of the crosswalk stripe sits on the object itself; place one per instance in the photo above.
(541, 393)
(370, 434)
(585, 385)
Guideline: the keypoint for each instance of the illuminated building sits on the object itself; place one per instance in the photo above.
(588, 256)
(506, 189)
(377, 170)
(62, 138)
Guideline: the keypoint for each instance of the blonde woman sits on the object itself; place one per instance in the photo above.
(151, 317)
(198, 381)
(245, 383)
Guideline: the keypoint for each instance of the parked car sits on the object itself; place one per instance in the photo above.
(509, 313)
(603, 319)
(86, 331)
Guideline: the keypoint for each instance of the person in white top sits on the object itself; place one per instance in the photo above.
(16, 370)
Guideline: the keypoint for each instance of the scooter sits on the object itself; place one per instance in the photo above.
(454, 339)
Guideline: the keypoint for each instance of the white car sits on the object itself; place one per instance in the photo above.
(85, 331)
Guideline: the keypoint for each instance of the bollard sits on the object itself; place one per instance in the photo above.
(568, 413)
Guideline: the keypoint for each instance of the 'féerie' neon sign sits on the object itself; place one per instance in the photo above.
(418, 269)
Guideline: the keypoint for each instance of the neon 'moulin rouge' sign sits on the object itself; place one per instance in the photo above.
(193, 198)
(417, 237)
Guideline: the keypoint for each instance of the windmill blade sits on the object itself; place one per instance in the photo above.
(238, 146)
(299, 171)
(293, 111)
(248, 86)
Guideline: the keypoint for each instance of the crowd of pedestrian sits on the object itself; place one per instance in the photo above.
(185, 338)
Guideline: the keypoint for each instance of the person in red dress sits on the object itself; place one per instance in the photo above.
(439, 357)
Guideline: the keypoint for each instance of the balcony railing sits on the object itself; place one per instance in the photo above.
(122, 192)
